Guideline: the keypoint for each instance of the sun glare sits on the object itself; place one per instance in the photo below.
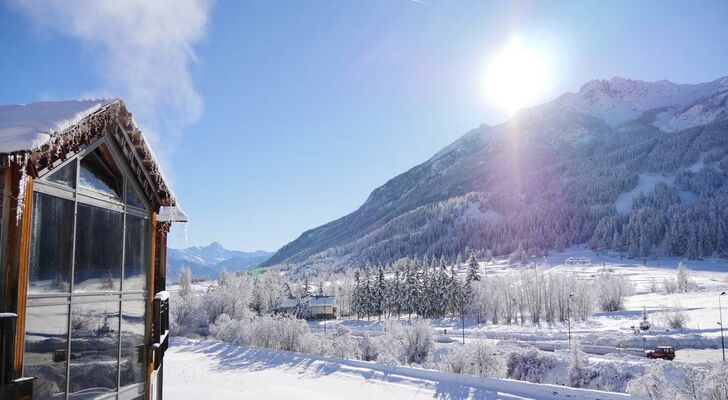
(518, 75)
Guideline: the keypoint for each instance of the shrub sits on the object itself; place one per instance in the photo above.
(369, 348)
(530, 365)
(675, 318)
(187, 315)
(343, 345)
(475, 358)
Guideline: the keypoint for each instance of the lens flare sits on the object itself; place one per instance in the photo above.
(518, 75)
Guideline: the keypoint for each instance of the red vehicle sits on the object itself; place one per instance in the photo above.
(663, 352)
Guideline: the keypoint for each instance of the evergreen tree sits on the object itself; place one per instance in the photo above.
(395, 293)
(473, 269)
(380, 292)
(356, 302)
(368, 298)
(306, 287)
(411, 287)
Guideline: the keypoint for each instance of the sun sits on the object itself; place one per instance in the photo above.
(517, 76)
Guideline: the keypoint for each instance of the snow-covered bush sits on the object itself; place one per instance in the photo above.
(343, 345)
(369, 348)
(232, 296)
(684, 283)
(611, 289)
(681, 283)
(418, 342)
(475, 358)
(713, 385)
(579, 372)
(680, 381)
(531, 365)
(224, 328)
(669, 286)
(407, 344)
(288, 332)
(675, 318)
(652, 385)
(187, 315)
(185, 281)
(268, 292)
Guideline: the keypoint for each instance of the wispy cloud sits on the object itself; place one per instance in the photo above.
(142, 50)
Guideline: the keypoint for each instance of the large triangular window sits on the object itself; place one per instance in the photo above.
(132, 198)
(100, 174)
(65, 175)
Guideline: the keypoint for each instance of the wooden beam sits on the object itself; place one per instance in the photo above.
(151, 284)
(16, 261)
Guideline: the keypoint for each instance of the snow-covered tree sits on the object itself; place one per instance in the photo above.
(185, 281)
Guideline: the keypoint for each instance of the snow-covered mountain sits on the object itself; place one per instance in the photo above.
(673, 106)
(626, 164)
(210, 260)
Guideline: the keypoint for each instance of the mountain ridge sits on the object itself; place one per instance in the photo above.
(606, 124)
(209, 261)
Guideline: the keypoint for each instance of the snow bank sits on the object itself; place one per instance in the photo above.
(240, 360)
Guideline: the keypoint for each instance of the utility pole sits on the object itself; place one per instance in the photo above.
(720, 311)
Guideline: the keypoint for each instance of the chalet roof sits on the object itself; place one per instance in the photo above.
(35, 136)
(27, 127)
(322, 301)
(313, 301)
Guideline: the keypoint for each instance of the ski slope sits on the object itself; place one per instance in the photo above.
(209, 369)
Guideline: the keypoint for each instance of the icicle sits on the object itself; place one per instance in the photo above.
(21, 161)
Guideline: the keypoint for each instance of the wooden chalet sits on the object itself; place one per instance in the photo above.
(83, 229)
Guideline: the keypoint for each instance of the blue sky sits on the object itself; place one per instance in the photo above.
(307, 106)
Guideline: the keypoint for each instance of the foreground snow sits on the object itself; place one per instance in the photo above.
(208, 369)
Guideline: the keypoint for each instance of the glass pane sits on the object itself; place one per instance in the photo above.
(137, 257)
(132, 198)
(51, 245)
(94, 349)
(132, 342)
(46, 338)
(100, 174)
(65, 176)
(99, 239)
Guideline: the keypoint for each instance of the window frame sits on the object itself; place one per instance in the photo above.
(80, 195)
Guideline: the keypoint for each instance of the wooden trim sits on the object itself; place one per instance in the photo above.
(16, 262)
(151, 285)
(7, 197)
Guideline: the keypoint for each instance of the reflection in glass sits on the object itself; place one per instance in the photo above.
(46, 337)
(132, 342)
(65, 176)
(100, 174)
(99, 234)
(136, 257)
(131, 197)
(50, 245)
(94, 349)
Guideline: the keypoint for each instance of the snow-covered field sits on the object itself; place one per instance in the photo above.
(214, 370)
(613, 346)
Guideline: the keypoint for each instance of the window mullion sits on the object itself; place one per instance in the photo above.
(71, 283)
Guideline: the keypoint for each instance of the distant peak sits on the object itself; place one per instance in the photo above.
(215, 245)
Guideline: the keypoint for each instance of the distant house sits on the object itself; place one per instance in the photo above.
(84, 219)
(577, 260)
(314, 307)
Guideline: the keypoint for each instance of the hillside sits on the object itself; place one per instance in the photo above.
(209, 261)
(638, 167)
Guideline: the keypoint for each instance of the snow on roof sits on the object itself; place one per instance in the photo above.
(288, 303)
(315, 301)
(171, 214)
(322, 301)
(30, 126)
